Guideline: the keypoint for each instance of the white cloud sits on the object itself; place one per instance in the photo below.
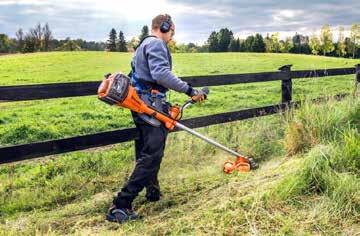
(286, 15)
(93, 19)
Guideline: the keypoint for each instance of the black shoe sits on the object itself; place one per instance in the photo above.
(121, 215)
(153, 194)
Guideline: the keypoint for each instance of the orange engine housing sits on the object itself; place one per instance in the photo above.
(121, 93)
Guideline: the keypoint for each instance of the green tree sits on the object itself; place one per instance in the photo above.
(224, 36)
(315, 44)
(122, 43)
(213, 42)
(111, 43)
(37, 36)
(19, 40)
(341, 47)
(258, 44)
(268, 43)
(47, 37)
(172, 46)
(133, 43)
(70, 45)
(275, 44)
(326, 40)
(249, 44)
(144, 32)
(354, 38)
(287, 45)
(296, 40)
(5, 43)
(234, 46)
(29, 43)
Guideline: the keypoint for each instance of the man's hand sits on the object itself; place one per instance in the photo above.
(199, 95)
(198, 98)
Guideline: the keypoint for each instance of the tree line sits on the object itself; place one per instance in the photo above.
(40, 38)
(224, 41)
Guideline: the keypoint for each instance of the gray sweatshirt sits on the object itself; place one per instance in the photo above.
(153, 63)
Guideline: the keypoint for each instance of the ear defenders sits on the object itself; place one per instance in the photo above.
(166, 25)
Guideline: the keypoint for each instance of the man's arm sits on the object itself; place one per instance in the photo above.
(159, 65)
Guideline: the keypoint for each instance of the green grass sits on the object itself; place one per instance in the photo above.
(307, 183)
(57, 67)
(313, 192)
(23, 122)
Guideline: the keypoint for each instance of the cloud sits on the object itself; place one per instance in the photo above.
(93, 19)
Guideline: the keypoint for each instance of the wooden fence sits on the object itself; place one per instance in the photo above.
(48, 91)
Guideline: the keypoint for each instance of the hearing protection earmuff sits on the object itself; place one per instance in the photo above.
(166, 25)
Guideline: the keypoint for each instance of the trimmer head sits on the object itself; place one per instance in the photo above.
(241, 164)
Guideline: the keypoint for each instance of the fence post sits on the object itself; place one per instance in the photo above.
(286, 85)
(357, 79)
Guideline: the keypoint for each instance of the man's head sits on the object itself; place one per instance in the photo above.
(163, 27)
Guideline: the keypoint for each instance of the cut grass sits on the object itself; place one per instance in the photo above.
(305, 194)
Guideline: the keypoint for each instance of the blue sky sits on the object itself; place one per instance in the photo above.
(93, 19)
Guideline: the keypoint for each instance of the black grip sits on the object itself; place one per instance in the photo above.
(205, 90)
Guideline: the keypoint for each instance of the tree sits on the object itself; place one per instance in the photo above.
(37, 36)
(296, 43)
(315, 44)
(5, 43)
(326, 39)
(133, 43)
(287, 45)
(70, 45)
(111, 43)
(268, 43)
(354, 38)
(249, 43)
(224, 36)
(300, 44)
(144, 32)
(275, 45)
(122, 43)
(172, 46)
(341, 47)
(47, 37)
(213, 42)
(19, 40)
(29, 43)
(234, 46)
(238, 45)
(258, 44)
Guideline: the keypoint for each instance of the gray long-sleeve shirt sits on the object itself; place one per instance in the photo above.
(153, 63)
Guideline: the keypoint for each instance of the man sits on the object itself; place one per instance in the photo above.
(152, 77)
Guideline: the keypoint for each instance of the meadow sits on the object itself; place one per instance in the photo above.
(307, 183)
(30, 121)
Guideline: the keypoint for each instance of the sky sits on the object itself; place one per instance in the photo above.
(194, 20)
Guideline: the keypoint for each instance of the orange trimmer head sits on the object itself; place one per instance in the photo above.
(241, 164)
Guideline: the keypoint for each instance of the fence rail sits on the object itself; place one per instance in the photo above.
(39, 149)
(75, 89)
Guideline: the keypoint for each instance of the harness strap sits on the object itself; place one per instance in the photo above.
(142, 86)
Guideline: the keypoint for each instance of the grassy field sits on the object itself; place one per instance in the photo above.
(307, 183)
(22, 122)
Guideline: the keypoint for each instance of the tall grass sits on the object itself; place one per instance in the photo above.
(331, 167)
(314, 190)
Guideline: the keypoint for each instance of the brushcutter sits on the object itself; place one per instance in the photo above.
(116, 89)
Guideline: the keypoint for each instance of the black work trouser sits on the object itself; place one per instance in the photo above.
(149, 150)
